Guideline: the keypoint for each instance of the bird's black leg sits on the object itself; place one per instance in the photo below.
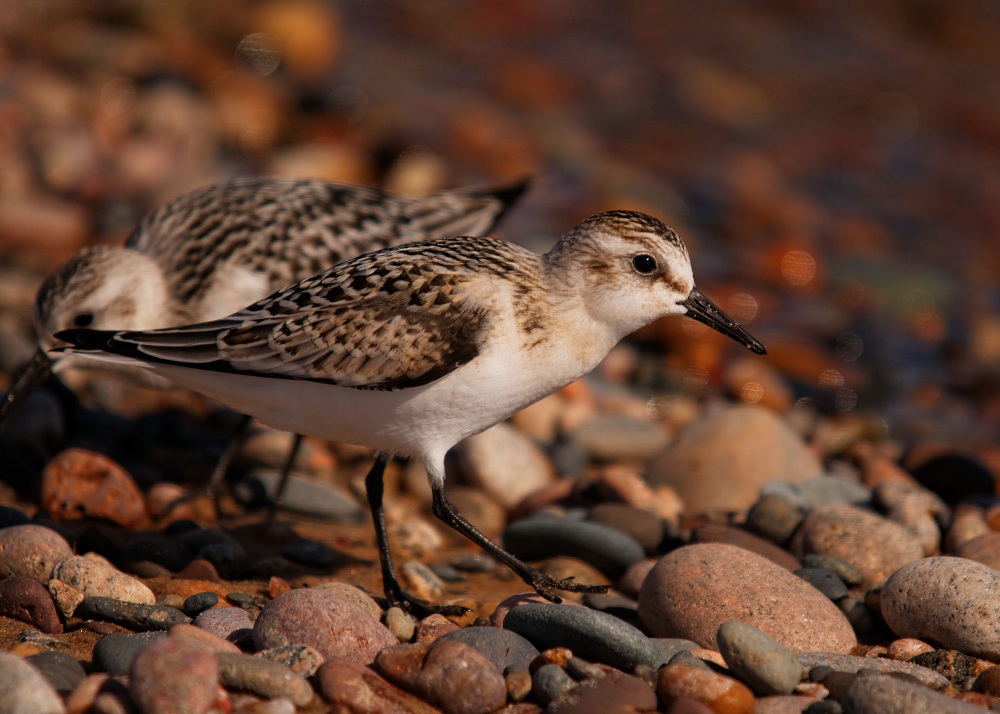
(543, 584)
(394, 592)
(279, 493)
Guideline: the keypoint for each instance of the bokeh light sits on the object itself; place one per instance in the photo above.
(752, 392)
(798, 268)
(259, 52)
(849, 346)
(742, 307)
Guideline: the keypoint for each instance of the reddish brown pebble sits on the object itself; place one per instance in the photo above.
(875, 545)
(32, 551)
(174, 675)
(988, 682)
(79, 483)
(724, 695)
(694, 589)
(325, 621)
(984, 549)
(27, 600)
(202, 638)
(199, 570)
(906, 648)
(713, 533)
(357, 689)
(611, 695)
(432, 627)
(448, 674)
(783, 704)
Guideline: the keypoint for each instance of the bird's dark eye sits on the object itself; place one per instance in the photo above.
(84, 319)
(644, 264)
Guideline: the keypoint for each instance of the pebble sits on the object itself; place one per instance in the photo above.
(61, 670)
(955, 477)
(825, 581)
(31, 550)
(483, 511)
(400, 623)
(775, 517)
(749, 440)
(619, 437)
(549, 682)
(421, 581)
(875, 545)
(506, 649)
(134, 616)
(311, 498)
(713, 533)
(791, 704)
(504, 463)
(634, 576)
(620, 694)
(724, 695)
(199, 602)
(988, 682)
(518, 685)
(433, 627)
(99, 694)
(263, 677)
(66, 599)
(206, 639)
(173, 675)
(24, 690)
(595, 636)
(93, 576)
(694, 589)
(906, 648)
(760, 661)
(645, 527)
(301, 659)
(355, 595)
(821, 490)
(951, 601)
(849, 574)
(233, 624)
(331, 624)
(79, 483)
(844, 663)
(967, 522)
(27, 600)
(357, 689)
(452, 676)
(114, 653)
(10, 516)
(983, 549)
(881, 694)
(957, 667)
(607, 549)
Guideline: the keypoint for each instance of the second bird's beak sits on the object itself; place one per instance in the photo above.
(704, 310)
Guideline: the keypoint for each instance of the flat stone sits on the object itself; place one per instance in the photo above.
(592, 635)
(882, 694)
(312, 498)
(760, 661)
(620, 437)
(114, 653)
(332, 625)
(694, 589)
(853, 664)
(607, 549)
(132, 615)
(263, 677)
(720, 461)
(95, 577)
(24, 690)
(31, 550)
(951, 601)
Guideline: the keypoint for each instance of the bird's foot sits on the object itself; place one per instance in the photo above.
(397, 597)
(547, 586)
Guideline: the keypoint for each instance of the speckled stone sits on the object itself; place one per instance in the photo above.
(93, 576)
(952, 601)
(172, 675)
(876, 545)
(233, 624)
(334, 626)
(23, 689)
(760, 661)
(713, 533)
(356, 595)
(32, 551)
(301, 659)
(694, 589)
(881, 694)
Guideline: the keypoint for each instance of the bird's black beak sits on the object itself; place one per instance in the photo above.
(704, 310)
(26, 379)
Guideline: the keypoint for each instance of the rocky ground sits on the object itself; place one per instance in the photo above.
(815, 530)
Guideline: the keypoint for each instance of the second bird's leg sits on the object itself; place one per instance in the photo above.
(543, 584)
(394, 592)
(275, 501)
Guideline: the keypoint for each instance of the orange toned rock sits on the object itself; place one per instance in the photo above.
(877, 470)
(308, 33)
(906, 648)
(724, 695)
(79, 483)
(753, 381)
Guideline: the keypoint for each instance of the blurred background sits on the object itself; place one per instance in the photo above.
(833, 167)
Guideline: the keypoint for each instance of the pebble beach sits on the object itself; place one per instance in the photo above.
(814, 530)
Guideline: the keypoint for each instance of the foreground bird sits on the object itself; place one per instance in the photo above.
(212, 251)
(409, 350)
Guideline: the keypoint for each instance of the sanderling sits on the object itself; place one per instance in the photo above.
(409, 350)
(212, 251)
